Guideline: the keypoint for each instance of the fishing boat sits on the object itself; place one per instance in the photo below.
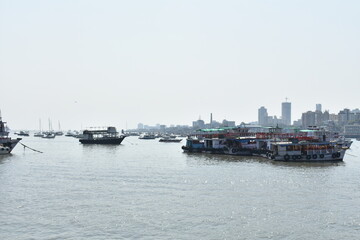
(6, 143)
(306, 151)
(108, 135)
(274, 145)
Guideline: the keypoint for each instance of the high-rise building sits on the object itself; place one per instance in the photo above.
(262, 116)
(286, 113)
(308, 119)
(318, 107)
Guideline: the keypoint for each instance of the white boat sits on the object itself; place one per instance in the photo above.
(48, 135)
(147, 136)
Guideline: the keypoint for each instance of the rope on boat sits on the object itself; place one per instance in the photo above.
(30, 148)
(130, 142)
(350, 155)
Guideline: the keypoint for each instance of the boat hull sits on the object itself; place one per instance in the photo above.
(331, 157)
(7, 145)
(102, 140)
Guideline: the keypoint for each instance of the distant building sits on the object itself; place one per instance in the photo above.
(199, 124)
(226, 123)
(333, 117)
(140, 126)
(318, 118)
(162, 128)
(318, 107)
(352, 131)
(308, 119)
(273, 121)
(286, 113)
(263, 116)
(297, 123)
(344, 116)
(326, 116)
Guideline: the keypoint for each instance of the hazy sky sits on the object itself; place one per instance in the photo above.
(97, 63)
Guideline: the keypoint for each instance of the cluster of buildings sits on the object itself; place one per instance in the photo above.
(285, 120)
(346, 121)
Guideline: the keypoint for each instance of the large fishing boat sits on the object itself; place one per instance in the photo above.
(306, 151)
(6, 143)
(274, 144)
(101, 136)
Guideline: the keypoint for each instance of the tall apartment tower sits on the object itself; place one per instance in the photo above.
(263, 116)
(286, 112)
(318, 107)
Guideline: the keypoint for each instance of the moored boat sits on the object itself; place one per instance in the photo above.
(306, 151)
(169, 139)
(147, 136)
(7, 144)
(101, 136)
(274, 145)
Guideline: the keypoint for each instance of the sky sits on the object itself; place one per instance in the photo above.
(99, 63)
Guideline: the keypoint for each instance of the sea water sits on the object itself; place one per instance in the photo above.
(145, 189)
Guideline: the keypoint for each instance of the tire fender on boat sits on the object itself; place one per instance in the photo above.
(314, 156)
(286, 157)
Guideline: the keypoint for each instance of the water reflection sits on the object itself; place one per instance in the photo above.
(3, 158)
(213, 159)
(100, 148)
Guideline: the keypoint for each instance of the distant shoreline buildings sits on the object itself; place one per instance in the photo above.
(346, 121)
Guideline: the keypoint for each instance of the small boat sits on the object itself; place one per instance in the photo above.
(169, 139)
(48, 135)
(6, 143)
(101, 136)
(59, 133)
(147, 136)
(23, 133)
(39, 133)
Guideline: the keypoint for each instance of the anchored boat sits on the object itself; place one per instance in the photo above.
(274, 145)
(6, 143)
(101, 136)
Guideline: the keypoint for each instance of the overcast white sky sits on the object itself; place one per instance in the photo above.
(96, 63)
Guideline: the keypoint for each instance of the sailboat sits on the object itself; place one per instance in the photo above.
(50, 133)
(59, 133)
(40, 133)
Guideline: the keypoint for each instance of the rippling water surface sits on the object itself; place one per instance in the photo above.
(144, 189)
